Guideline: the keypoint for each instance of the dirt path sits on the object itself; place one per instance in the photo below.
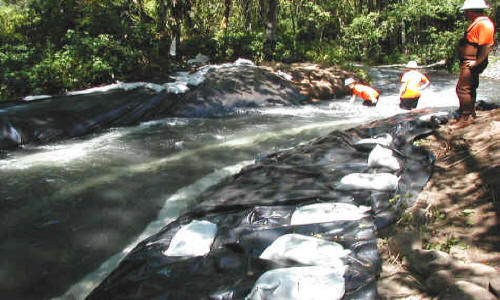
(448, 245)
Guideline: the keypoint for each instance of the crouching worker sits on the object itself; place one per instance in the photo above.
(369, 94)
(412, 82)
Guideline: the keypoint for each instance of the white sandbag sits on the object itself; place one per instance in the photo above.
(428, 117)
(383, 157)
(193, 239)
(177, 87)
(299, 283)
(244, 62)
(367, 181)
(37, 97)
(307, 250)
(200, 59)
(328, 212)
(382, 139)
(284, 75)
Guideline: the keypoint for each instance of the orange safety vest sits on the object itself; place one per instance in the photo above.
(414, 80)
(480, 32)
(364, 91)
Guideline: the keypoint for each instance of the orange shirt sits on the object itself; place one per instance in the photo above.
(364, 91)
(413, 80)
(481, 31)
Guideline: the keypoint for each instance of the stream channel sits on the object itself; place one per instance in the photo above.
(72, 209)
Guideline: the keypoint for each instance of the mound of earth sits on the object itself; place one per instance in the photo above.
(314, 81)
(229, 88)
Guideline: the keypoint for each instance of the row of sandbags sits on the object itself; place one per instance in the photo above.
(298, 224)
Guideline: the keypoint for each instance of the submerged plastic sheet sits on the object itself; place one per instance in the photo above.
(258, 250)
(71, 116)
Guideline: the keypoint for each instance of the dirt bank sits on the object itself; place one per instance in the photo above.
(448, 245)
(314, 80)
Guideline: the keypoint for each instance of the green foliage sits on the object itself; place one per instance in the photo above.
(11, 19)
(233, 45)
(414, 29)
(83, 61)
(14, 66)
(446, 245)
(50, 46)
(363, 36)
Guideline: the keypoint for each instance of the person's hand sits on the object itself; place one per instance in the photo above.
(470, 63)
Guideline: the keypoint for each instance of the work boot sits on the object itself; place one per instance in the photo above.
(463, 121)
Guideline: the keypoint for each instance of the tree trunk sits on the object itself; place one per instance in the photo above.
(178, 9)
(162, 15)
(247, 13)
(270, 42)
(262, 10)
(370, 5)
(225, 15)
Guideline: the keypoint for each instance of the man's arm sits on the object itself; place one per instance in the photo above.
(353, 98)
(427, 82)
(402, 89)
(484, 50)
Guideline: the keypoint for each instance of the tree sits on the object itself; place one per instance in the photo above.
(270, 43)
(225, 15)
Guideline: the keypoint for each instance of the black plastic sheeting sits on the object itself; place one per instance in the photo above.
(48, 120)
(223, 92)
(255, 207)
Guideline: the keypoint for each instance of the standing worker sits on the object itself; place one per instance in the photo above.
(412, 82)
(473, 51)
(369, 94)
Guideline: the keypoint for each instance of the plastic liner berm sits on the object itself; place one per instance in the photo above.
(297, 224)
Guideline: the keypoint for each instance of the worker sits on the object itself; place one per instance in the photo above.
(474, 47)
(368, 94)
(412, 82)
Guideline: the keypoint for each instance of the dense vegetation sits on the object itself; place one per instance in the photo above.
(51, 46)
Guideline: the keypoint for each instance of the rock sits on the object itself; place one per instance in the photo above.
(405, 242)
(463, 290)
(398, 285)
(439, 280)
(478, 274)
(477, 269)
(495, 285)
(429, 261)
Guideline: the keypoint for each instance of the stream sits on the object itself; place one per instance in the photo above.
(72, 209)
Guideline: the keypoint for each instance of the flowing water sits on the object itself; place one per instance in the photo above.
(71, 210)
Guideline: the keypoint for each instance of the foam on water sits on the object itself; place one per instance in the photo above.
(59, 154)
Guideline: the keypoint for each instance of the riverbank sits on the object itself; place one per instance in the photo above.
(448, 244)
(456, 217)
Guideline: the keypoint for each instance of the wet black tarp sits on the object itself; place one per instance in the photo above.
(223, 91)
(256, 206)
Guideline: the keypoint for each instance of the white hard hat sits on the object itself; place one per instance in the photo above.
(349, 81)
(474, 4)
(412, 64)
